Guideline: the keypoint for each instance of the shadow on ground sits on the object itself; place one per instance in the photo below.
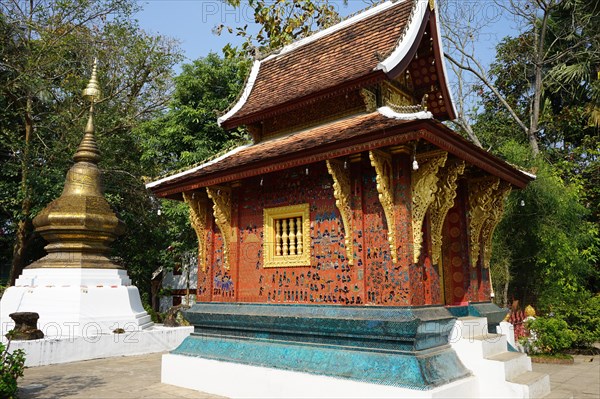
(61, 386)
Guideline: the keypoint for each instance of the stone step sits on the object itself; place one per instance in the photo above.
(537, 385)
(469, 327)
(483, 346)
(515, 363)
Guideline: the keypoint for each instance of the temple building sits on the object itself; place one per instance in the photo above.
(344, 241)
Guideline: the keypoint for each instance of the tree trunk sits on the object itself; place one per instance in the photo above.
(506, 283)
(24, 225)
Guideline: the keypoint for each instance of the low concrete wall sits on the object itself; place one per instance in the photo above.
(43, 352)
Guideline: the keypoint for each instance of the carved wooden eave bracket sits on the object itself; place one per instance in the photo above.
(198, 206)
(424, 185)
(221, 197)
(494, 217)
(442, 203)
(382, 162)
(342, 192)
(481, 201)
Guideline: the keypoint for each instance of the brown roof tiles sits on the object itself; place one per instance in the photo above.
(347, 54)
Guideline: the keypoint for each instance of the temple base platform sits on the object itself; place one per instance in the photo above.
(75, 302)
(237, 380)
(264, 350)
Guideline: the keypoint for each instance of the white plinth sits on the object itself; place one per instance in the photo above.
(43, 352)
(75, 302)
(243, 381)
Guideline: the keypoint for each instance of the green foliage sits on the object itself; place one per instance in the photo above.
(281, 22)
(546, 233)
(581, 311)
(188, 133)
(46, 64)
(12, 366)
(550, 334)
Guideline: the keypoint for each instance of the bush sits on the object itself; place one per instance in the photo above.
(550, 335)
(582, 314)
(11, 368)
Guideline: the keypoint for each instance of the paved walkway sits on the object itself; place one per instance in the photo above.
(581, 379)
(139, 377)
(117, 377)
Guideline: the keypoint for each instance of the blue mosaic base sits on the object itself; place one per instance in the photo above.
(396, 346)
(489, 310)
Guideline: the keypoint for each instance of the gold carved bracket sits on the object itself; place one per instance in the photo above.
(489, 225)
(198, 206)
(221, 197)
(423, 188)
(442, 203)
(481, 200)
(382, 162)
(370, 99)
(342, 191)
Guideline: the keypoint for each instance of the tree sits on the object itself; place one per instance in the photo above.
(188, 132)
(280, 22)
(548, 40)
(47, 51)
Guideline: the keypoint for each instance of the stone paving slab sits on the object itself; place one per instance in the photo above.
(578, 380)
(117, 377)
(139, 377)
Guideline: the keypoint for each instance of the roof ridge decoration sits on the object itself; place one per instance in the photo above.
(304, 41)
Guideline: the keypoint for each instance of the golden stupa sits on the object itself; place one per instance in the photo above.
(80, 225)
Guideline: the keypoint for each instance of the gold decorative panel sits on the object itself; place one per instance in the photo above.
(495, 215)
(221, 197)
(423, 188)
(342, 191)
(287, 236)
(481, 200)
(198, 205)
(442, 203)
(393, 96)
(370, 99)
(382, 162)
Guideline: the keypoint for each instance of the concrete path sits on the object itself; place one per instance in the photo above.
(139, 377)
(578, 380)
(117, 377)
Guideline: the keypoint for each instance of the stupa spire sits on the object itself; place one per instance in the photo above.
(88, 150)
(80, 225)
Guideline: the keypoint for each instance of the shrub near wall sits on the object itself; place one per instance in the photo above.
(550, 335)
(11, 368)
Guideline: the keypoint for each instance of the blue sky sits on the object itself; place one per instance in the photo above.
(192, 23)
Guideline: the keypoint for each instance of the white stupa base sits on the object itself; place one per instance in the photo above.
(43, 352)
(75, 302)
(243, 381)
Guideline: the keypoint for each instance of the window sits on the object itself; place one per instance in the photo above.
(287, 236)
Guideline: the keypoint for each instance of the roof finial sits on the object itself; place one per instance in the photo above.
(92, 91)
(88, 150)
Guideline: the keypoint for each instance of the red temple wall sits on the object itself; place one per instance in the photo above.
(373, 278)
(463, 283)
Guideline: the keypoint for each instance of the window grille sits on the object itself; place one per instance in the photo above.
(286, 236)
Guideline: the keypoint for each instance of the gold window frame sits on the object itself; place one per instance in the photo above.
(286, 212)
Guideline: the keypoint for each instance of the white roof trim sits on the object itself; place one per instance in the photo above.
(302, 42)
(197, 168)
(409, 37)
(245, 94)
(534, 177)
(390, 113)
(442, 59)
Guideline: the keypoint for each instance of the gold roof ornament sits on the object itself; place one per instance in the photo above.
(80, 225)
(529, 311)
